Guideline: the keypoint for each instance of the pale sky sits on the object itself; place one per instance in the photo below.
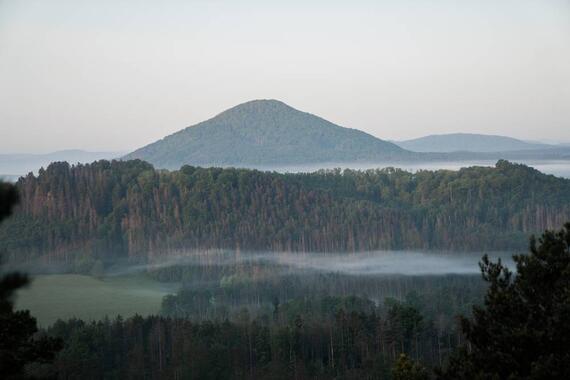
(118, 74)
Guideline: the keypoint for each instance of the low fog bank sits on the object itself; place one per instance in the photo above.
(559, 168)
(408, 263)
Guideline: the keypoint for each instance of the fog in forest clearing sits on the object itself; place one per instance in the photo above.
(127, 289)
(407, 263)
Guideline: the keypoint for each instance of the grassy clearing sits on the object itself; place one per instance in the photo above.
(69, 295)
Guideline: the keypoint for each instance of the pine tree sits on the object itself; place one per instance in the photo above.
(521, 331)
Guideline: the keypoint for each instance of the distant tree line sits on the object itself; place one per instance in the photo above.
(127, 209)
(207, 295)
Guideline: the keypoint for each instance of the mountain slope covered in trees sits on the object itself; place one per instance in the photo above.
(266, 132)
(129, 209)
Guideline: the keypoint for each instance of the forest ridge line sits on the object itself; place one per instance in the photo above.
(127, 209)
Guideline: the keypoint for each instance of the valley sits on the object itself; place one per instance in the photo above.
(223, 283)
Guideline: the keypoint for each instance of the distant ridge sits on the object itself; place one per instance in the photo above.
(266, 132)
(18, 164)
(470, 142)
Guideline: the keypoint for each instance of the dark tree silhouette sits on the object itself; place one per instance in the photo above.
(8, 199)
(522, 330)
(18, 344)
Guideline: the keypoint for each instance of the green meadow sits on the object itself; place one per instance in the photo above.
(64, 296)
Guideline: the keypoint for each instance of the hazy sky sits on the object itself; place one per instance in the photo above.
(115, 75)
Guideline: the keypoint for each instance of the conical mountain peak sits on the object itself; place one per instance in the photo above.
(266, 132)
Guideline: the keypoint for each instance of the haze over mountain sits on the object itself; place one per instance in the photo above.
(266, 132)
(469, 142)
(14, 165)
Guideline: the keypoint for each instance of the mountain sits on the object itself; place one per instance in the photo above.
(470, 142)
(263, 133)
(127, 209)
(15, 165)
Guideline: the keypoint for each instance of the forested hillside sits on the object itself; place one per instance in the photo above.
(123, 209)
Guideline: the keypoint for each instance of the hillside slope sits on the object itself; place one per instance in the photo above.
(262, 133)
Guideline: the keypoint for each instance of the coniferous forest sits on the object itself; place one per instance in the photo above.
(126, 209)
(258, 320)
(248, 315)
